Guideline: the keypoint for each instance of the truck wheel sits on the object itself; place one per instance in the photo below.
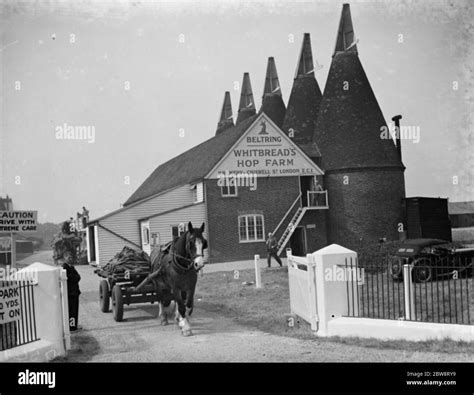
(422, 271)
(104, 296)
(117, 303)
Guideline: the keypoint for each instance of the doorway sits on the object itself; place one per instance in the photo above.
(306, 184)
(145, 236)
(298, 241)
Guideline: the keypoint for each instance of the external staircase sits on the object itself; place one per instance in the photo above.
(316, 200)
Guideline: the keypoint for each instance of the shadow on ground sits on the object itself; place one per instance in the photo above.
(83, 348)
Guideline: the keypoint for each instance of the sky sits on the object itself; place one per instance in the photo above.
(149, 79)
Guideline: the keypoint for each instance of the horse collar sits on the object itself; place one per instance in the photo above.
(178, 267)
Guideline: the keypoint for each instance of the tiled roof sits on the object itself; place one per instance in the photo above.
(191, 165)
(348, 129)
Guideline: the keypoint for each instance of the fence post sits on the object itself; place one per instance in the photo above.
(331, 293)
(258, 278)
(65, 309)
(312, 292)
(408, 292)
(48, 305)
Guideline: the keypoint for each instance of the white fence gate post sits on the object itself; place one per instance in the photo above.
(408, 292)
(65, 309)
(332, 295)
(258, 277)
(312, 292)
(49, 308)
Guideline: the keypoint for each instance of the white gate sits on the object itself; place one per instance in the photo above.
(302, 284)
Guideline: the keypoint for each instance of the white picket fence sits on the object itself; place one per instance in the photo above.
(302, 285)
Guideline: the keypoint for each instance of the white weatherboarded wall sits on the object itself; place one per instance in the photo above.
(109, 245)
(125, 222)
(162, 224)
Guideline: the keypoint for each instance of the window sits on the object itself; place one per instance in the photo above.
(198, 192)
(177, 230)
(145, 235)
(229, 190)
(251, 228)
(155, 237)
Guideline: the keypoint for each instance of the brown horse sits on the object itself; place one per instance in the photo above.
(174, 274)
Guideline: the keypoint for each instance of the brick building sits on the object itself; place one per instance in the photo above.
(313, 173)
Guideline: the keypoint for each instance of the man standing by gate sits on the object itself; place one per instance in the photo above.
(272, 250)
(65, 246)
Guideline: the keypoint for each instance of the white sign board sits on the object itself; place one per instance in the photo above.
(9, 303)
(265, 150)
(18, 221)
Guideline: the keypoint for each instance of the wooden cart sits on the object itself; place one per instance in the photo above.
(118, 288)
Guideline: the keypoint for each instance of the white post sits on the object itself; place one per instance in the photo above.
(50, 325)
(65, 310)
(312, 292)
(332, 295)
(258, 278)
(408, 292)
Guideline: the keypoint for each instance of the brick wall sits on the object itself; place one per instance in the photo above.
(369, 207)
(316, 238)
(272, 198)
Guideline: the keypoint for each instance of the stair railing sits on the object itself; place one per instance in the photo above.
(286, 214)
(291, 228)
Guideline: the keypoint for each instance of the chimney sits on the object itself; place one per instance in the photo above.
(396, 119)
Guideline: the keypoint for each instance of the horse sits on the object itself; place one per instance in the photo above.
(174, 271)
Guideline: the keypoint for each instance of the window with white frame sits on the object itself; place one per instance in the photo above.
(198, 192)
(145, 235)
(251, 228)
(177, 230)
(229, 189)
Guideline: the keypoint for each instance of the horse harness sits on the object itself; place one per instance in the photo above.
(181, 269)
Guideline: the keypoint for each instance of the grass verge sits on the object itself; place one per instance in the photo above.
(233, 295)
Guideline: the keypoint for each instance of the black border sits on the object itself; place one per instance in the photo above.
(237, 377)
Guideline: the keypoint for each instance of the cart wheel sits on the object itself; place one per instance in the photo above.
(104, 296)
(117, 303)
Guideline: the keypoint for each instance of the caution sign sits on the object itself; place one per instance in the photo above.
(18, 221)
(10, 309)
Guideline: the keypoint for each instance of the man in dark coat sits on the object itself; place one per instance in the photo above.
(73, 291)
(272, 250)
(64, 246)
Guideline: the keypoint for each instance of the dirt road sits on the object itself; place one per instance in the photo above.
(140, 338)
